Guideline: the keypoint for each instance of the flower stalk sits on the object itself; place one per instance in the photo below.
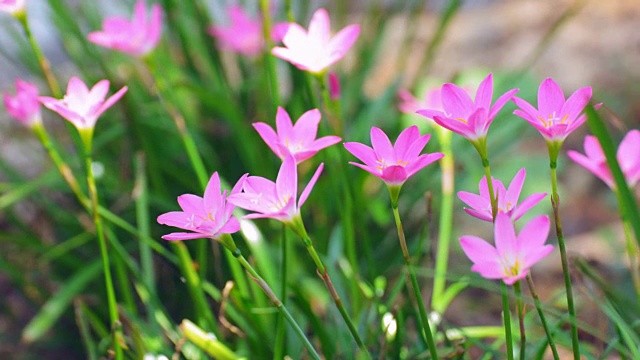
(543, 319)
(42, 60)
(520, 309)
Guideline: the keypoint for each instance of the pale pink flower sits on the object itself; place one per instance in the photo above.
(512, 257)
(24, 106)
(137, 36)
(277, 200)
(467, 117)
(432, 100)
(205, 217)
(82, 106)
(394, 164)
(507, 199)
(243, 35)
(628, 157)
(555, 118)
(13, 7)
(298, 140)
(314, 51)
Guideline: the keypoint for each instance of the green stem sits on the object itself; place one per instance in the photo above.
(520, 307)
(270, 59)
(543, 320)
(280, 346)
(446, 219)
(481, 147)
(506, 319)
(42, 60)
(633, 254)
(276, 302)
(555, 203)
(424, 318)
(210, 344)
(115, 325)
(299, 228)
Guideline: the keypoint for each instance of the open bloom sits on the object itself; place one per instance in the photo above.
(628, 158)
(82, 106)
(298, 140)
(314, 51)
(13, 7)
(137, 36)
(275, 200)
(512, 257)
(394, 164)
(24, 106)
(204, 217)
(243, 35)
(507, 199)
(467, 117)
(555, 118)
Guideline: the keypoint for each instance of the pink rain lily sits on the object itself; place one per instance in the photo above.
(243, 35)
(24, 106)
(394, 164)
(13, 7)
(137, 36)
(204, 217)
(469, 118)
(314, 51)
(512, 257)
(507, 199)
(628, 157)
(275, 200)
(555, 118)
(298, 140)
(82, 106)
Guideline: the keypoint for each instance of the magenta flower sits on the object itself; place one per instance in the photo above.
(298, 140)
(507, 199)
(13, 7)
(243, 35)
(555, 118)
(512, 257)
(82, 106)
(204, 217)
(394, 164)
(136, 37)
(314, 51)
(628, 158)
(409, 104)
(469, 118)
(24, 106)
(275, 200)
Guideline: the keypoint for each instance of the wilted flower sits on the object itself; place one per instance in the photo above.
(24, 106)
(394, 164)
(205, 217)
(555, 118)
(469, 118)
(512, 257)
(298, 140)
(628, 157)
(314, 51)
(507, 199)
(137, 36)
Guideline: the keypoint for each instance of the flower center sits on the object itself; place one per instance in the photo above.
(553, 120)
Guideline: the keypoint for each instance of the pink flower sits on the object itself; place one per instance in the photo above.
(315, 50)
(628, 157)
(82, 106)
(205, 217)
(136, 37)
(394, 164)
(13, 7)
(469, 118)
(275, 200)
(334, 86)
(243, 35)
(24, 106)
(410, 104)
(299, 140)
(507, 199)
(512, 257)
(555, 118)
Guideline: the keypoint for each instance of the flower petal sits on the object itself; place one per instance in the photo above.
(310, 185)
(550, 98)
